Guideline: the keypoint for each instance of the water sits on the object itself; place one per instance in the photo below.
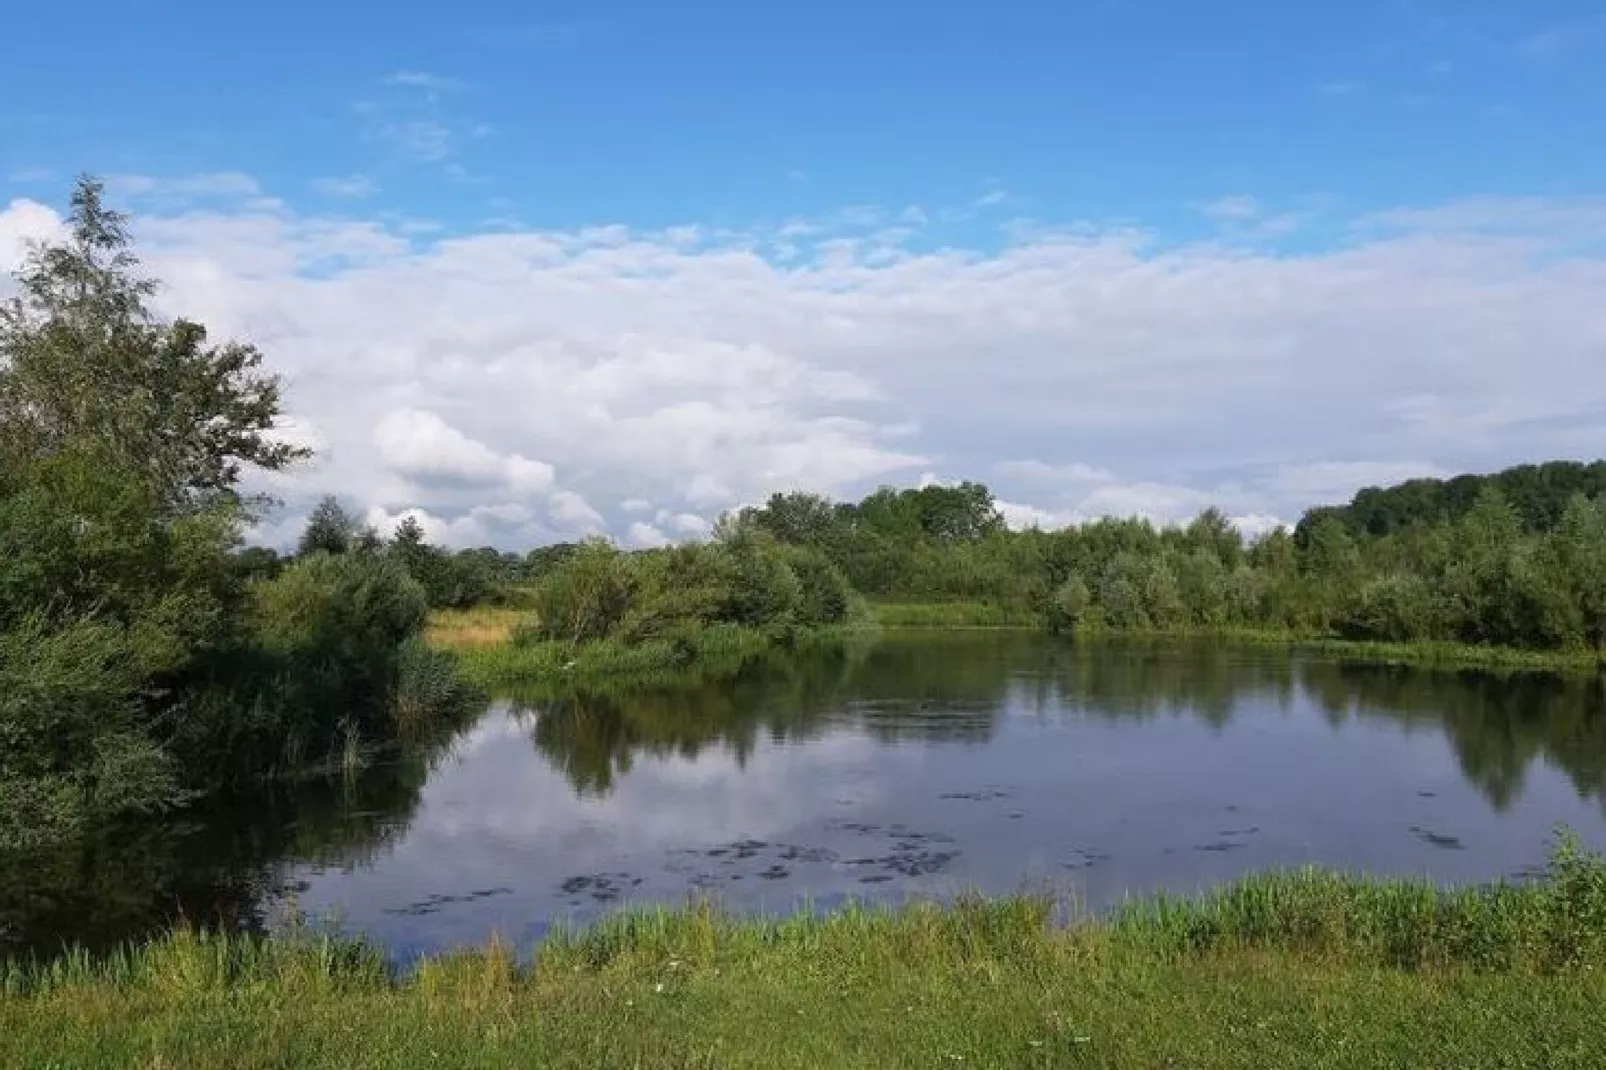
(922, 766)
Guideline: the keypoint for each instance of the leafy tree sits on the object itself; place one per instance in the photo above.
(798, 518)
(330, 530)
(82, 358)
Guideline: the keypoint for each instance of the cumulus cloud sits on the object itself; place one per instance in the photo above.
(421, 446)
(1079, 370)
(570, 510)
(645, 536)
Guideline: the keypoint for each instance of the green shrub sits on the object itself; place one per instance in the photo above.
(74, 748)
(587, 596)
(332, 628)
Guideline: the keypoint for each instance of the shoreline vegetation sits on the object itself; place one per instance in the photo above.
(1301, 968)
(481, 639)
(152, 663)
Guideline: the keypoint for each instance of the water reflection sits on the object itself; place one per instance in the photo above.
(917, 764)
(954, 689)
(220, 866)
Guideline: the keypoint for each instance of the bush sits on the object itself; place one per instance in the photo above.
(587, 596)
(429, 688)
(824, 596)
(333, 627)
(73, 746)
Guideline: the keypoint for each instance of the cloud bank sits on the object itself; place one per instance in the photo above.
(518, 386)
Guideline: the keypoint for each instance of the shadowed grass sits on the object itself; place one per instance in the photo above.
(1298, 969)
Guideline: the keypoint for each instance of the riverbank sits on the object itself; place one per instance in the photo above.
(508, 664)
(1303, 969)
(1427, 653)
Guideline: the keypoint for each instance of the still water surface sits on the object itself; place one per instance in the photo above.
(924, 765)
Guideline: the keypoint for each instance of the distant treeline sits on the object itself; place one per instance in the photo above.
(1477, 571)
(1538, 493)
(1458, 561)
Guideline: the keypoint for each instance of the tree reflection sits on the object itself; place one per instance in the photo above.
(955, 688)
(219, 866)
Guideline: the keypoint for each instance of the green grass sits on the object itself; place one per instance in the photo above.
(954, 615)
(1304, 969)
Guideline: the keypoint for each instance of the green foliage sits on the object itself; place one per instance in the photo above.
(334, 626)
(74, 749)
(588, 596)
(330, 530)
(744, 579)
(82, 359)
(1539, 496)
(1486, 575)
(132, 668)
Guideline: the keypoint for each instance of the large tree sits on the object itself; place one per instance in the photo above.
(83, 359)
(123, 440)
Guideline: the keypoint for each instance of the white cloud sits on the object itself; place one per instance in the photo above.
(353, 186)
(1077, 370)
(645, 536)
(423, 447)
(1337, 481)
(688, 525)
(571, 511)
(23, 221)
(1255, 525)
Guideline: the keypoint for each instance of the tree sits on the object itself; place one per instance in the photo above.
(82, 358)
(798, 518)
(123, 438)
(330, 529)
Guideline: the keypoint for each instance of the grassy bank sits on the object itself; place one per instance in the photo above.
(1303, 969)
(510, 665)
(962, 615)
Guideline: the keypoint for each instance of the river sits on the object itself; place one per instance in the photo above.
(919, 765)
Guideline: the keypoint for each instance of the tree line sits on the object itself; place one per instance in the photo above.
(1477, 570)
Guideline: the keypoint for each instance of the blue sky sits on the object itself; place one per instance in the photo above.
(666, 113)
(1016, 241)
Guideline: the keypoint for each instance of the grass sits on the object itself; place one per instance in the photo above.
(471, 629)
(1300, 969)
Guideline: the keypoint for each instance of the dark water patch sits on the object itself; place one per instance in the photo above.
(1083, 858)
(1437, 839)
(434, 904)
(984, 795)
(600, 887)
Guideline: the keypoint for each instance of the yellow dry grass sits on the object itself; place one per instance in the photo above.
(460, 629)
